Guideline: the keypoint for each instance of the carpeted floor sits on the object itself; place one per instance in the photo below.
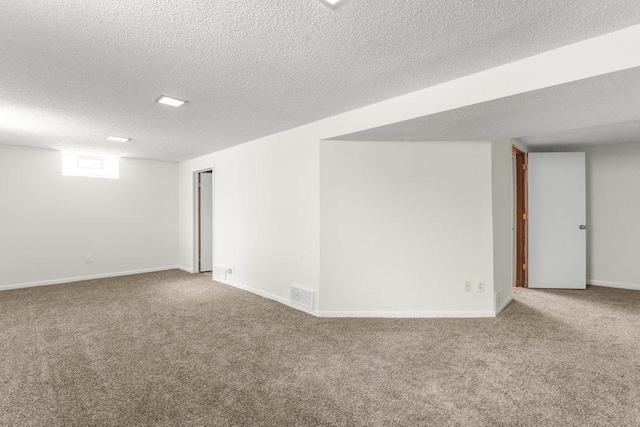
(176, 349)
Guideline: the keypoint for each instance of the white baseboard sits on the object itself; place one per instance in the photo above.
(505, 303)
(83, 278)
(407, 314)
(183, 268)
(354, 314)
(264, 294)
(619, 285)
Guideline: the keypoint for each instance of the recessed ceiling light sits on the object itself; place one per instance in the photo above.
(118, 139)
(167, 100)
(331, 3)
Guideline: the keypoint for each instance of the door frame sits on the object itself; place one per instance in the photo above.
(522, 214)
(196, 216)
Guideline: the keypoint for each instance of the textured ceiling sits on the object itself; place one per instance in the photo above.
(73, 72)
(560, 115)
(615, 133)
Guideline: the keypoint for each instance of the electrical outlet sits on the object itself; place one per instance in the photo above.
(467, 286)
(481, 286)
(87, 259)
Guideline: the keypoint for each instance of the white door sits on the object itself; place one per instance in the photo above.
(557, 221)
(206, 221)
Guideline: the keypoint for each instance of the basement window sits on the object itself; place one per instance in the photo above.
(90, 166)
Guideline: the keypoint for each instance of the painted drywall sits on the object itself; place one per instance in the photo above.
(404, 225)
(49, 223)
(613, 209)
(265, 213)
(267, 191)
(501, 201)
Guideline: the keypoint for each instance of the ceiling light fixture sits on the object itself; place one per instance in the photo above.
(331, 3)
(118, 139)
(167, 100)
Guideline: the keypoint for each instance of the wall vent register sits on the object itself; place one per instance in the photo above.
(221, 272)
(302, 297)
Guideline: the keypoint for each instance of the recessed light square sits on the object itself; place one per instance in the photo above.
(118, 139)
(167, 100)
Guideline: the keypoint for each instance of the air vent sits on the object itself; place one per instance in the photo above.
(302, 297)
(220, 272)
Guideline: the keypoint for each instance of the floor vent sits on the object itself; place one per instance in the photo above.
(220, 271)
(302, 297)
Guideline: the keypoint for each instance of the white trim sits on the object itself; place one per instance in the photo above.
(505, 303)
(264, 294)
(186, 269)
(83, 278)
(408, 314)
(619, 285)
(353, 314)
(268, 295)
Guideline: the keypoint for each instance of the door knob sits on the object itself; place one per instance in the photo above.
(583, 227)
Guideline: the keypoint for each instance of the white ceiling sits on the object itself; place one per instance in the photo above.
(73, 72)
(614, 133)
(599, 110)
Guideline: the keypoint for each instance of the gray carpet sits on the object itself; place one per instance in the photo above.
(176, 349)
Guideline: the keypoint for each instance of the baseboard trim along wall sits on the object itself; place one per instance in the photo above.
(406, 314)
(619, 285)
(83, 278)
(505, 303)
(281, 300)
(359, 314)
(264, 294)
(186, 269)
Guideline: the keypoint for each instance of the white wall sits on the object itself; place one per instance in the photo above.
(50, 222)
(267, 192)
(502, 200)
(613, 212)
(404, 225)
(265, 212)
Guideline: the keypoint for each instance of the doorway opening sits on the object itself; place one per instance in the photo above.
(204, 221)
(520, 228)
